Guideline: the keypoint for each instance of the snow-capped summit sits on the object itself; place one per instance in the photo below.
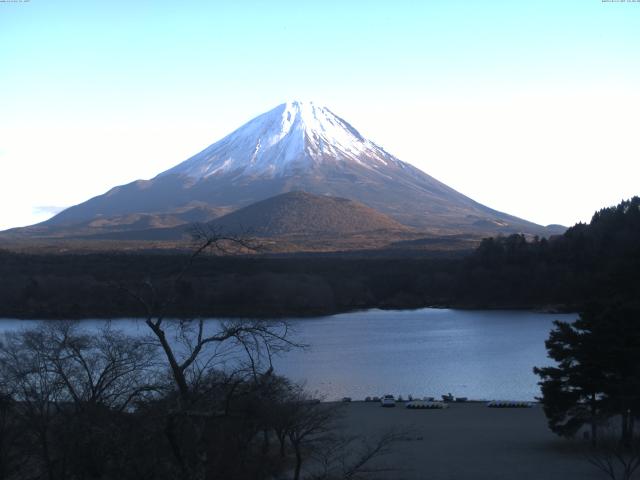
(297, 146)
(295, 135)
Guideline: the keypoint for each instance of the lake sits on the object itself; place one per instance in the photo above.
(470, 353)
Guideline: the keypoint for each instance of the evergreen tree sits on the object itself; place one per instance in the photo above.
(598, 371)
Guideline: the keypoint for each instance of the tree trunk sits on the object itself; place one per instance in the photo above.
(178, 374)
(174, 444)
(625, 429)
(594, 419)
(47, 458)
(265, 441)
(296, 475)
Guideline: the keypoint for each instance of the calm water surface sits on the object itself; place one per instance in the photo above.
(475, 354)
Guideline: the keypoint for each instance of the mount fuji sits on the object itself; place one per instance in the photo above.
(297, 146)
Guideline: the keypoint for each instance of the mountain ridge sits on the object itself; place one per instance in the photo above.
(296, 146)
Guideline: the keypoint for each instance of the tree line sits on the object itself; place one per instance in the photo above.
(599, 261)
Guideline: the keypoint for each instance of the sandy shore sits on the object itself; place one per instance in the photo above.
(471, 441)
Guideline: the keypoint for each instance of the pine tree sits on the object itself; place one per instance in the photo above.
(597, 375)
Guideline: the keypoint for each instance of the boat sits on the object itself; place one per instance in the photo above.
(388, 401)
(509, 404)
(423, 405)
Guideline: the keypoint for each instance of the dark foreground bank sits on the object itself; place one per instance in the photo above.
(470, 442)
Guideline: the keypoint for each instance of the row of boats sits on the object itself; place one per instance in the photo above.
(431, 403)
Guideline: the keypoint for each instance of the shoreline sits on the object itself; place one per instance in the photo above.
(542, 309)
(402, 403)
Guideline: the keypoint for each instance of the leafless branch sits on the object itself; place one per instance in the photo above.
(614, 459)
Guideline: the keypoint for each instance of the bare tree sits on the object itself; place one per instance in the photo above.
(11, 462)
(193, 348)
(351, 457)
(67, 383)
(110, 368)
(189, 400)
(617, 459)
(312, 430)
(305, 422)
(39, 394)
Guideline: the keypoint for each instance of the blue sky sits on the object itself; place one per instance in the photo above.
(529, 107)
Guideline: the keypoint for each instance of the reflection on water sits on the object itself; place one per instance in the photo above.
(475, 354)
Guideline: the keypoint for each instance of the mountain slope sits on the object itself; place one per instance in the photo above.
(298, 147)
(303, 213)
(121, 226)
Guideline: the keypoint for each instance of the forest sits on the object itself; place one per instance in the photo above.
(599, 260)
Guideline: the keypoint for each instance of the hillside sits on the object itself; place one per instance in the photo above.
(298, 213)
